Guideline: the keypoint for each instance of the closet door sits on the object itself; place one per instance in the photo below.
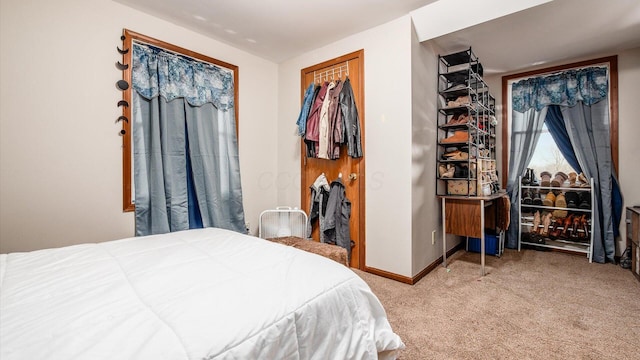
(352, 170)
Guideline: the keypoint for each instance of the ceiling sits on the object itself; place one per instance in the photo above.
(281, 29)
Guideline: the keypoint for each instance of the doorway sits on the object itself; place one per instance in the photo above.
(352, 169)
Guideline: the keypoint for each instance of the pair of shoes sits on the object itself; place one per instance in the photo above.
(459, 101)
(456, 155)
(550, 199)
(446, 171)
(459, 136)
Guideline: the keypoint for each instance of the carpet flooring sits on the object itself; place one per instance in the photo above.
(530, 305)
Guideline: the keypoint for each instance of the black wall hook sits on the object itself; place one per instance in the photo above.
(122, 66)
(122, 118)
(122, 85)
(123, 103)
(122, 51)
(122, 132)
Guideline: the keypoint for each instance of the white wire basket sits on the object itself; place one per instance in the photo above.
(281, 222)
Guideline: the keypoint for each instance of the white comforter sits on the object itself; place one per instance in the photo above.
(197, 294)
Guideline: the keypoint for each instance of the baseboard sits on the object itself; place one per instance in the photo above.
(418, 276)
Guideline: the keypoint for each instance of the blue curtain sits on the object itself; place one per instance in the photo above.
(555, 124)
(185, 152)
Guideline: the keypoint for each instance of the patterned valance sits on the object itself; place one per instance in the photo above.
(158, 72)
(588, 85)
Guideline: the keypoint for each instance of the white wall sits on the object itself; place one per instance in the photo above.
(629, 129)
(387, 153)
(425, 206)
(60, 152)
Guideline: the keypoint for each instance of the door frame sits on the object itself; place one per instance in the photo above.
(356, 56)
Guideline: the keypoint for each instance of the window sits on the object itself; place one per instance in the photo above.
(547, 156)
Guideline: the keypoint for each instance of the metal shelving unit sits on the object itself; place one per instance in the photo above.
(525, 222)
(463, 94)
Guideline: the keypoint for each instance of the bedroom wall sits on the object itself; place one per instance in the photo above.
(60, 152)
(387, 69)
(425, 206)
(629, 127)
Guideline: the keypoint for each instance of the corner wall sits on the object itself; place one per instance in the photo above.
(60, 153)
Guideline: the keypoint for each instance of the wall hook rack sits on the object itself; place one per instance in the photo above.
(122, 51)
(122, 118)
(123, 103)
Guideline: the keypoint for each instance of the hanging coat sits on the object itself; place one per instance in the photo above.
(324, 129)
(351, 120)
(304, 112)
(335, 122)
(318, 199)
(336, 218)
(313, 121)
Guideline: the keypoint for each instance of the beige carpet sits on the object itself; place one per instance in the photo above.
(531, 305)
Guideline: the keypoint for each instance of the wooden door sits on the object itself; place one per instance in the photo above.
(352, 170)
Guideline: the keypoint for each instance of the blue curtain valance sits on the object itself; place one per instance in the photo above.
(158, 72)
(588, 85)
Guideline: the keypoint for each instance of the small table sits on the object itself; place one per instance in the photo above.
(465, 216)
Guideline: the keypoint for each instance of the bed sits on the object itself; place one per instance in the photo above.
(196, 294)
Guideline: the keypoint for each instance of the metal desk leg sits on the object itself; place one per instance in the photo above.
(482, 237)
(444, 235)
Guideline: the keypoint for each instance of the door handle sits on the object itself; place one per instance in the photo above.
(353, 176)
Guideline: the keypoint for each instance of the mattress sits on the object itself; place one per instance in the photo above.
(196, 294)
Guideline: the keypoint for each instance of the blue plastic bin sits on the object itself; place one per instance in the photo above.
(491, 244)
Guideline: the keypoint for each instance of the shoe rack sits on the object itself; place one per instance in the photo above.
(556, 217)
(466, 155)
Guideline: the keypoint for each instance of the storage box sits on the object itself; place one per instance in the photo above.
(491, 244)
(461, 187)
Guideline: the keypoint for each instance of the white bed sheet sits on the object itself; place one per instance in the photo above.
(197, 294)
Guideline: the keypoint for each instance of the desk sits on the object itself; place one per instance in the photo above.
(465, 216)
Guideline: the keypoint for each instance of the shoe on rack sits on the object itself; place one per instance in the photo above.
(536, 199)
(526, 179)
(545, 181)
(456, 155)
(572, 199)
(459, 101)
(572, 179)
(584, 200)
(584, 182)
(561, 202)
(559, 179)
(526, 197)
(536, 222)
(546, 222)
(550, 199)
(568, 221)
(459, 136)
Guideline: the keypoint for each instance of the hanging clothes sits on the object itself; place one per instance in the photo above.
(351, 120)
(335, 226)
(332, 120)
(336, 130)
(319, 196)
(312, 134)
(306, 107)
(323, 138)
